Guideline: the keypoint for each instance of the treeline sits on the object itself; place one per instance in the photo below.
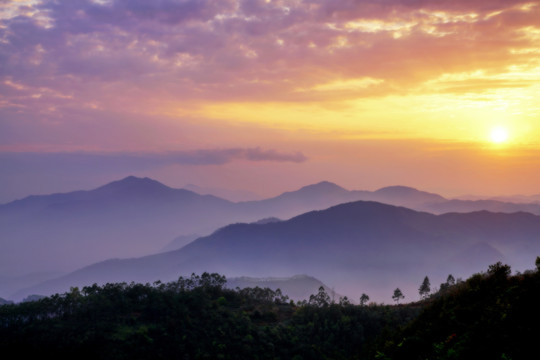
(491, 315)
(192, 318)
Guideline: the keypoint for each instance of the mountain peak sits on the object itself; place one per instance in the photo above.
(397, 189)
(134, 184)
(323, 186)
(133, 179)
(406, 192)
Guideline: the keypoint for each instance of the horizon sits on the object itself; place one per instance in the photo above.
(203, 192)
(216, 191)
(233, 94)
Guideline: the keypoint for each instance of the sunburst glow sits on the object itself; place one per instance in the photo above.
(499, 135)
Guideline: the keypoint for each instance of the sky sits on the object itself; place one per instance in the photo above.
(270, 95)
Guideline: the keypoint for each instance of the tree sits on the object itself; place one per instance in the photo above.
(344, 301)
(450, 281)
(364, 299)
(425, 288)
(537, 263)
(499, 270)
(321, 299)
(398, 295)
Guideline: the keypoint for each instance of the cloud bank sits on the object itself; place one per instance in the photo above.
(58, 52)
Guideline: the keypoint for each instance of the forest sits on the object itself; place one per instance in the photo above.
(492, 315)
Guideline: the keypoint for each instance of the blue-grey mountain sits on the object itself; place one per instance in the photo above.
(134, 217)
(355, 247)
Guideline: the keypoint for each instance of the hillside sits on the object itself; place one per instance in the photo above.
(490, 316)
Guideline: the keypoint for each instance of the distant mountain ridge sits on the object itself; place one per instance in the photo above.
(231, 195)
(356, 247)
(134, 217)
(129, 217)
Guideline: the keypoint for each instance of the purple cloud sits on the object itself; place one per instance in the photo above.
(223, 156)
(198, 48)
(137, 161)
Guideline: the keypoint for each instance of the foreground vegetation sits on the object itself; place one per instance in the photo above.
(492, 315)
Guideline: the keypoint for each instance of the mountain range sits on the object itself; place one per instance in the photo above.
(140, 216)
(353, 247)
(134, 217)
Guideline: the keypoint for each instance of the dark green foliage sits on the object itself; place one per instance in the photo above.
(364, 299)
(425, 288)
(321, 299)
(398, 295)
(342, 332)
(489, 316)
(450, 281)
(192, 318)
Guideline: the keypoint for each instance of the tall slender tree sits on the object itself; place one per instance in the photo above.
(425, 288)
(398, 295)
(364, 299)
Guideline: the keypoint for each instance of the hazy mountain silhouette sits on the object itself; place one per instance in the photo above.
(478, 205)
(130, 217)
(406, 196)
(267, 220)
(231, 195)
(10, 284)
(356, 247)
(134, 217)
(5, 302)
(518, 198)
(325, 194)
(179, 242)
(480, 254)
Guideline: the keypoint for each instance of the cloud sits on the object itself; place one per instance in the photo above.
(223, 156)
(253, 49)
(137, 161)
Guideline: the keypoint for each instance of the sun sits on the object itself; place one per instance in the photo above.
(499, 135)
